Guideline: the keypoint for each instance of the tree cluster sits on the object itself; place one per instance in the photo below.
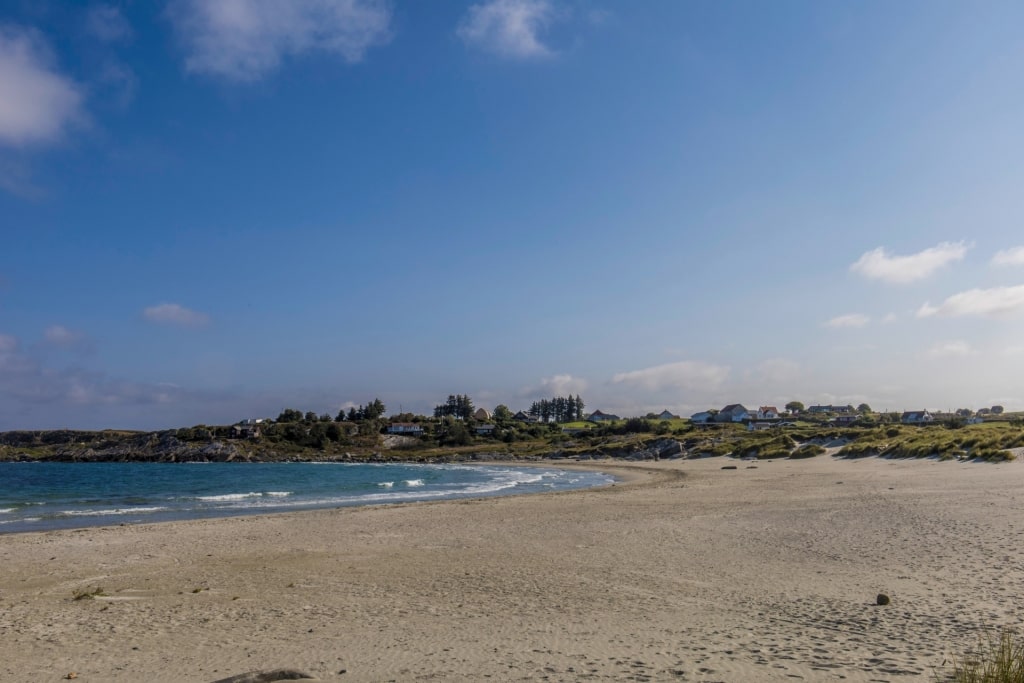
(558, 409)
(457, 405)
(371, 411)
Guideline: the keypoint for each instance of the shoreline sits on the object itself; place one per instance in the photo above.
(182, 498)
(682, 571)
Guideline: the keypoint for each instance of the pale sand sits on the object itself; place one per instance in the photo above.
(764, 574)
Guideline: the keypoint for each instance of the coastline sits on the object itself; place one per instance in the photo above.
(679, 571)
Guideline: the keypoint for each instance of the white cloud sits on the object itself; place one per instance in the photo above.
(562, 385)
(778, 370)
(62, 337)
(508, 28)
(890, 318)
(950, 348)
(556, 385)
(684, 374)
(244, 40)
(848, 320)
(879, 265)
(8, 344)
(37, 104)
(1009, 257)
(175, 314)
(997, 302)
(106, 23)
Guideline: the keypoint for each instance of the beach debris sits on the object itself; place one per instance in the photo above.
(71, 676)
(729, 467)
(268, 676)
(87, 594)
(882, 599)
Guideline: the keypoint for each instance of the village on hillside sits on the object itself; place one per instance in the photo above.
(483, 423)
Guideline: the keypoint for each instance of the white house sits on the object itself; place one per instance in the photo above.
(406, 428)
(913, 417)
(767, 413)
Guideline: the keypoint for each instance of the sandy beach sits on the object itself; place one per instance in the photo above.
(682, 571)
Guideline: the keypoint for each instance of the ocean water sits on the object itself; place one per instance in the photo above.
(42, 496)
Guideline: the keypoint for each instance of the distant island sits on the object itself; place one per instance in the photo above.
(549, 429)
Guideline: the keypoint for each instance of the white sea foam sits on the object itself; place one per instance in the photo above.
(6, 510)
(385, 484)
(232, 496)
(414, 482)
(279, 494)
(19, 521)
(108, 511)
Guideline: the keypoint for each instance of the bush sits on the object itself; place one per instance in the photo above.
(636, 425)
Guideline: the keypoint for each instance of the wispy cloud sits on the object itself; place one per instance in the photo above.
(106, 23)
(37, 104)
(562, 385)
(684, 374)
(848, 320)
(997, 302)
(778, 370)
(1009, 257)
(508, 28)
(556, 385)
(24, 380)
(175, 314)
(878, 264)
(60, 337)
(950, 348)
(244, 40)
(16, 178)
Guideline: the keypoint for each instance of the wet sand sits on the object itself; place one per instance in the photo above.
(684, 572)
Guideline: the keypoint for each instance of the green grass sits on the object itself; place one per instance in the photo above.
(998, 659)
(807, 451)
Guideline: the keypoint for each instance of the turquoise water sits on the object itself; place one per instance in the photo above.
(42, 496)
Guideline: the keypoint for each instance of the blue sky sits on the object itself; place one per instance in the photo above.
(215, 210)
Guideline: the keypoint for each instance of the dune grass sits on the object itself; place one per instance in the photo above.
(998, 659)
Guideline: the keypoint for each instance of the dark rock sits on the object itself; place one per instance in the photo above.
(882, 599)
(729, 467)
(269, 676)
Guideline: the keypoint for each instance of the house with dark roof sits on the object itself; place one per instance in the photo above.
(734, 412)
(667, 415)
(523, 417)
(703, 417)
(916, 417)
(598, 416)
(817, 410)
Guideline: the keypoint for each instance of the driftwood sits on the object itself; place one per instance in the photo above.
(270, 676)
